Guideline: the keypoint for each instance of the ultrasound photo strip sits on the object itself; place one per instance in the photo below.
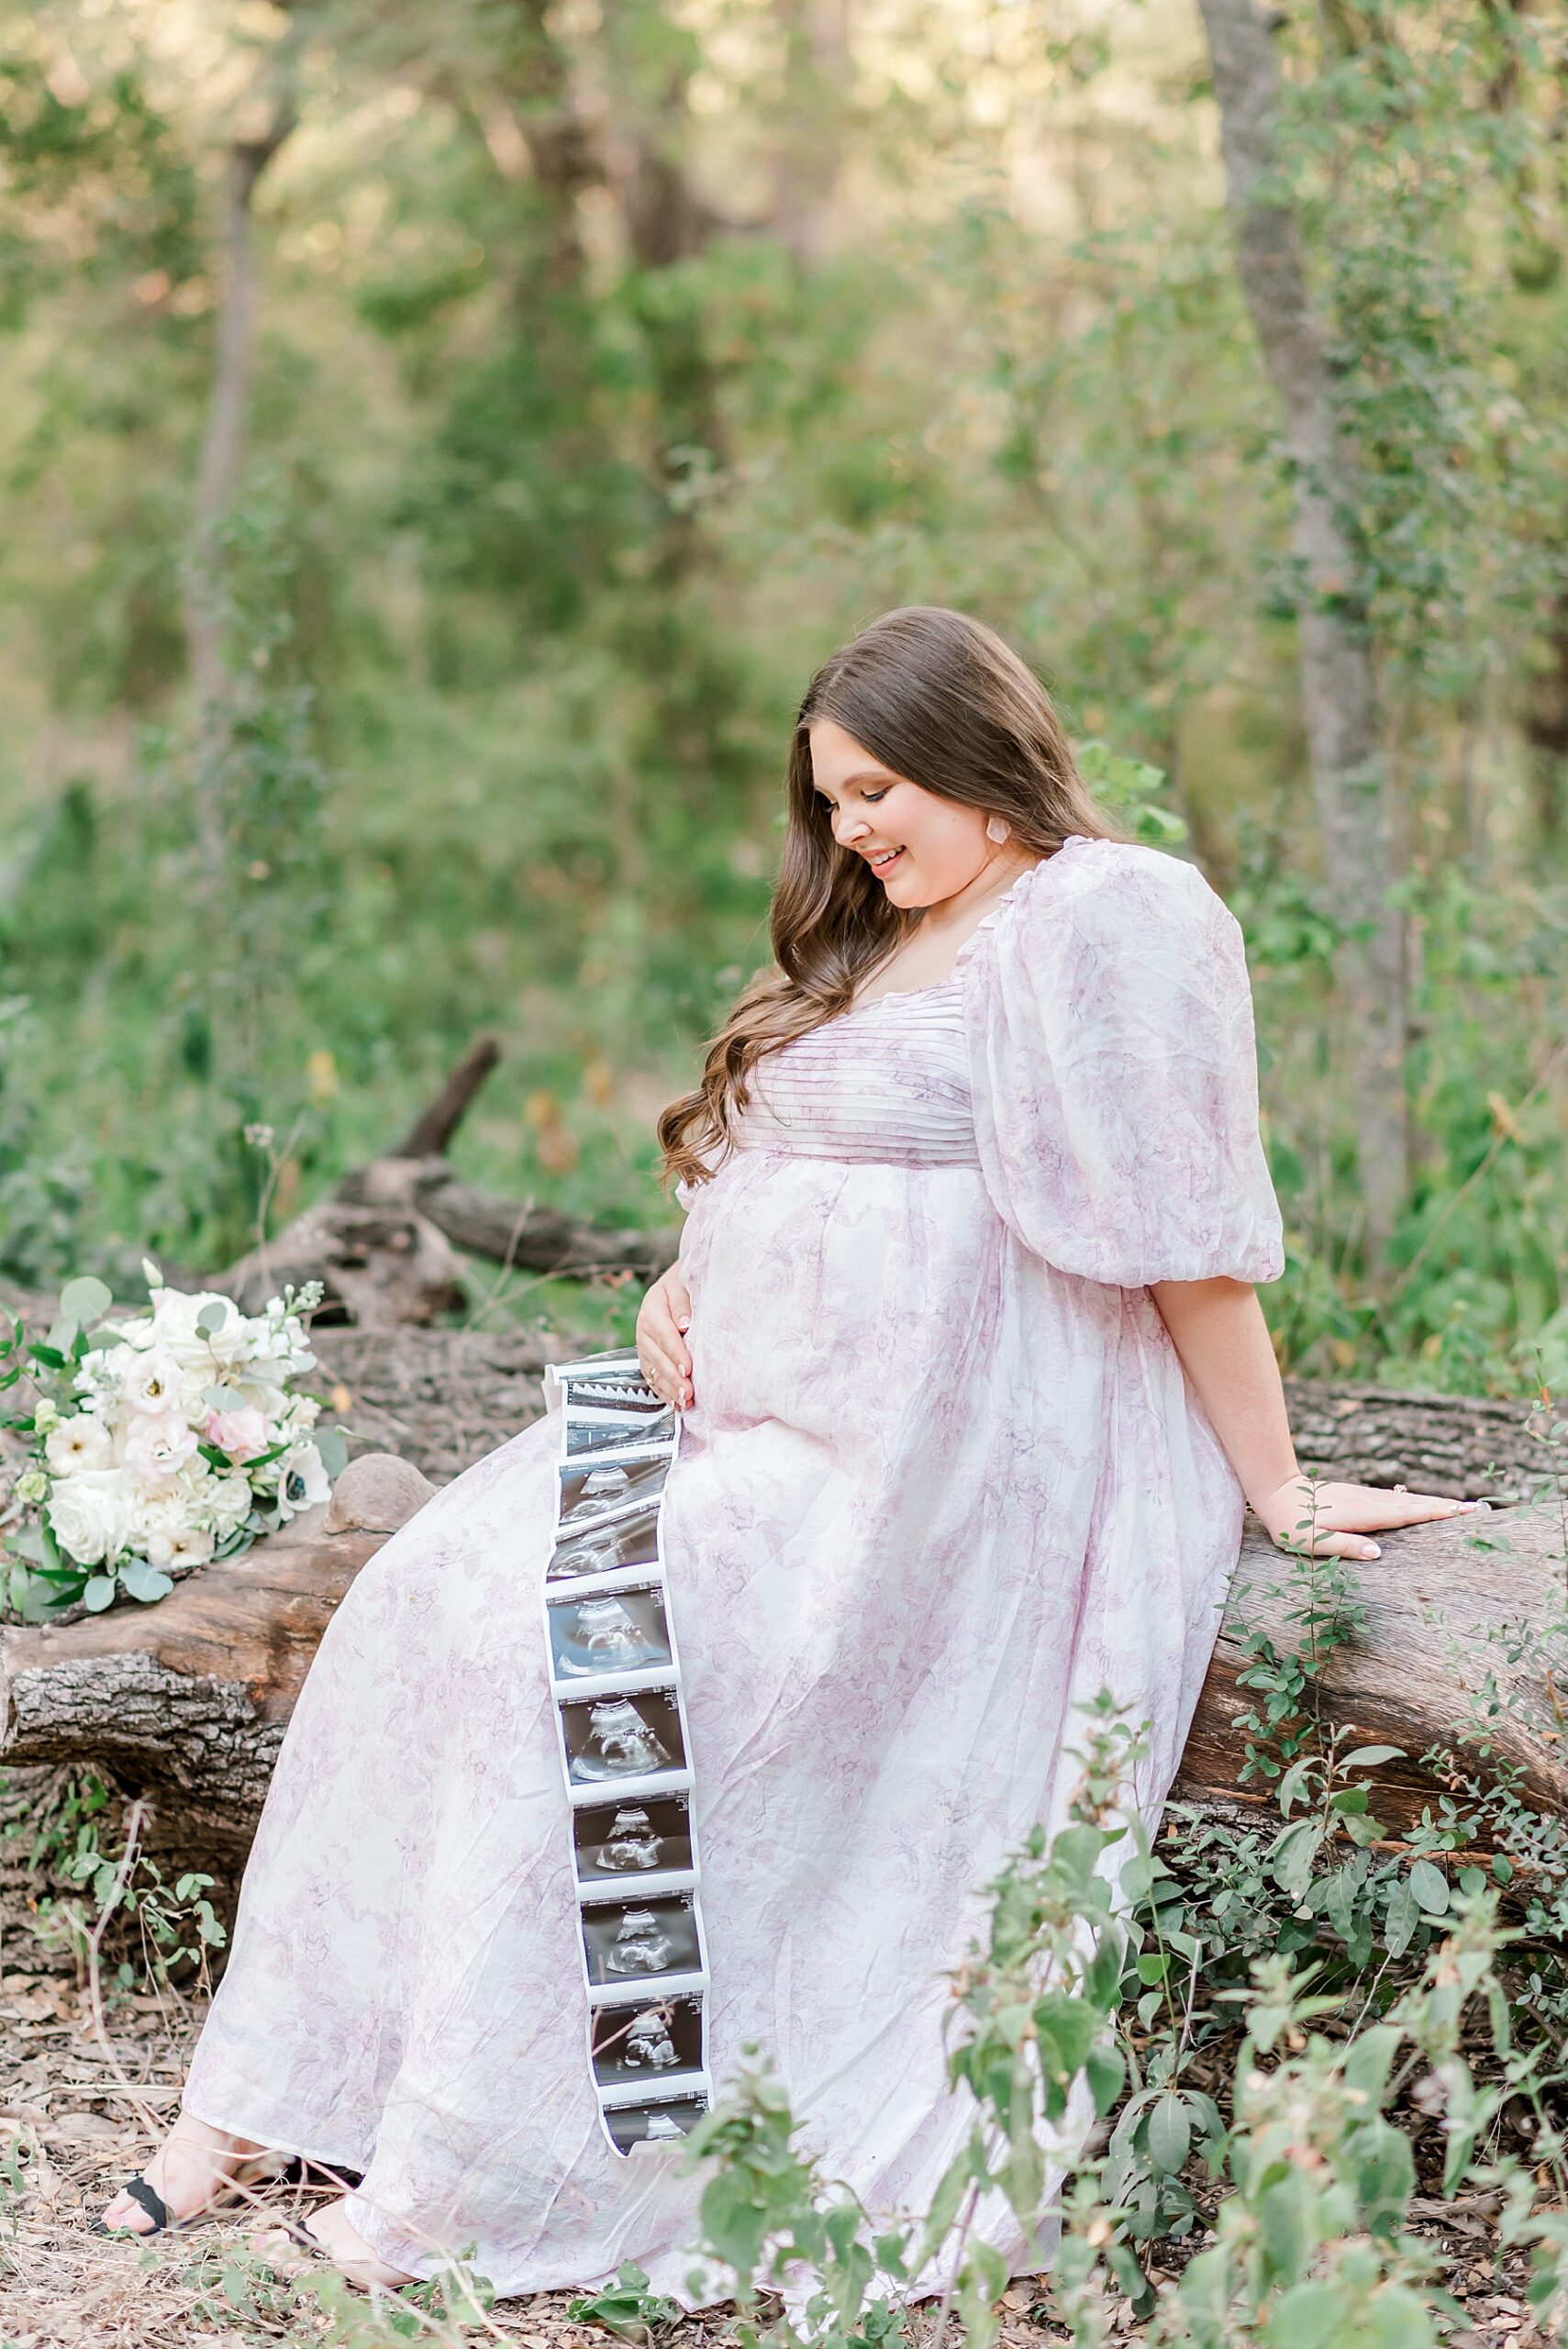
(601, 1431)
(621, 1722)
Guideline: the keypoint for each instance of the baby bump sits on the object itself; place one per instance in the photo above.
(828, 1296)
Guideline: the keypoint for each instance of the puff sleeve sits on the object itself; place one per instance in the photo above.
(1109, 1024)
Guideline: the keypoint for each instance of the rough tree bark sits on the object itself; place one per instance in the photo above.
(223, 440)
(1338, 685)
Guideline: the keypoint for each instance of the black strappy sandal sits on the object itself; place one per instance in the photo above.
(153, 2202)
(297, 2171)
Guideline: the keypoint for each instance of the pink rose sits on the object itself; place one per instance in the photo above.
(159, 1445)
(242, 1433)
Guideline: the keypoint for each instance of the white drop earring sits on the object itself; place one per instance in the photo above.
(997, 829)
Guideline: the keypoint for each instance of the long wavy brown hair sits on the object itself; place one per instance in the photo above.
(939, 698)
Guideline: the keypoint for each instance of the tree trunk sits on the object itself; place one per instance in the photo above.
(223, 441)
(818, 81)
(1338, 687)
(1546, 725)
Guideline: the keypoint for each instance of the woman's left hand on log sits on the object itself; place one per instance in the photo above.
(663, 1321)
(1339, 1516)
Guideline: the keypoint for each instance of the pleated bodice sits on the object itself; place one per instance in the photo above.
(886, 1084)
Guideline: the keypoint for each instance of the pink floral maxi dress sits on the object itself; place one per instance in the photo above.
(943, 1479)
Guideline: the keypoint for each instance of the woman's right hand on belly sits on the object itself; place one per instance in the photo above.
(663, 1321)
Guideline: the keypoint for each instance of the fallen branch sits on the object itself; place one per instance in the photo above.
(384, 1243)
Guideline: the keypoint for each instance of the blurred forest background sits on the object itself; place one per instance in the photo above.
(438, 443)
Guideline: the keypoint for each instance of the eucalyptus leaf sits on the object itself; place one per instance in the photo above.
(332, 1446)
(99, 1593)
(85, 1300)
(145, 1582)
(211, 1318)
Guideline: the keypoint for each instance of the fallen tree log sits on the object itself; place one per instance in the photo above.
(1454, 1654)
(1470, 1447)
(443, 1397)
(187, 1701)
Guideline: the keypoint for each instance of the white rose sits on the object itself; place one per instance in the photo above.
(225, 1505)
(174, 1320)
(90, 1515)
(175, 1552)
(83, 1442)
(233, 1341)
(302, 1480)
(224, 1347)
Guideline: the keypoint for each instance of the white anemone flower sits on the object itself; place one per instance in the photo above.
(302, 1480)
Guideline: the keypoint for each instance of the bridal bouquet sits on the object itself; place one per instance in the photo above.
(161, 1441)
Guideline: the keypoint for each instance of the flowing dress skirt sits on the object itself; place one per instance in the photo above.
(933, 1494)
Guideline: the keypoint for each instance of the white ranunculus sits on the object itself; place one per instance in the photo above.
(90, 1515)
(174, 1552)
(302, 1480)
(81, 1441)
(225, 1505)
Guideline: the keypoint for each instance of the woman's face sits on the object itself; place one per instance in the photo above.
(923, 850)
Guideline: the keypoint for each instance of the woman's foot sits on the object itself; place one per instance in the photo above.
(194, 2169)
(328, 2231)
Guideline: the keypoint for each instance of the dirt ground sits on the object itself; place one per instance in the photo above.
(81, 2132)
(79, 2113)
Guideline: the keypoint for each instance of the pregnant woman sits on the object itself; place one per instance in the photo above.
(972, 1382)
